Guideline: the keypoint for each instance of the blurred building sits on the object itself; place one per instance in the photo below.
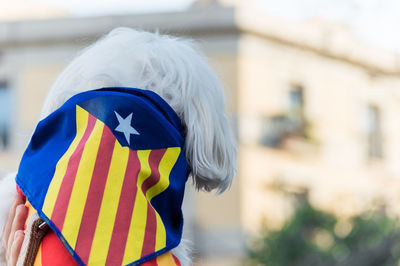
(30, 9)
(316, 109)
(311, 106)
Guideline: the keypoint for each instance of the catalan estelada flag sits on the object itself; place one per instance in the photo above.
(107, 172)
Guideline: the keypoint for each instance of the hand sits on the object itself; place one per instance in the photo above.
(13, 234)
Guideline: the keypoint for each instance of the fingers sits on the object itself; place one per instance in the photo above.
(16, 247)
(7, 229)
(18, 223)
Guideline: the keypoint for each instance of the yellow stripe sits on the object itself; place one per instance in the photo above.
(109, 205)
(166, 164)
(161, 236)
(82, 118)
(80, 189)
(38, 260)
(134, 242)
(145, 170)
(166, 259)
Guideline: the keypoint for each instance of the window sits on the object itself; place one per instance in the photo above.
(290, 123)
(5, 114)
(296, 109)
(374, 133)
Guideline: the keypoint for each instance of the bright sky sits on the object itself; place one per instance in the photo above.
(374, 21)
(102, 7)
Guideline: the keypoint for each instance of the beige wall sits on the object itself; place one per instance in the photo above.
(34, 82)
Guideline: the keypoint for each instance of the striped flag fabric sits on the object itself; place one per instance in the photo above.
(107, 172)
(51, 251)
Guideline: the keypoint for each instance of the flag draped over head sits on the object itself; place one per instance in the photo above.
(107, 172)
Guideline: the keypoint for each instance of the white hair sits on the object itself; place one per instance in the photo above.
(174, 69)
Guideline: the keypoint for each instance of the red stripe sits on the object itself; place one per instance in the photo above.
(124, 213)
(154, 161)
(64, 194)
(95, 195)
(176, 260)
(54, 253)
(149, 242)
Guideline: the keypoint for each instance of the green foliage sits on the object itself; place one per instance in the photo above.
(312, 237)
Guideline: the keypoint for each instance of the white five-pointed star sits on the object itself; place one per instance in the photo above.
(125, 126)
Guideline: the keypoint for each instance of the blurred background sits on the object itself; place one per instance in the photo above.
(313, 92)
